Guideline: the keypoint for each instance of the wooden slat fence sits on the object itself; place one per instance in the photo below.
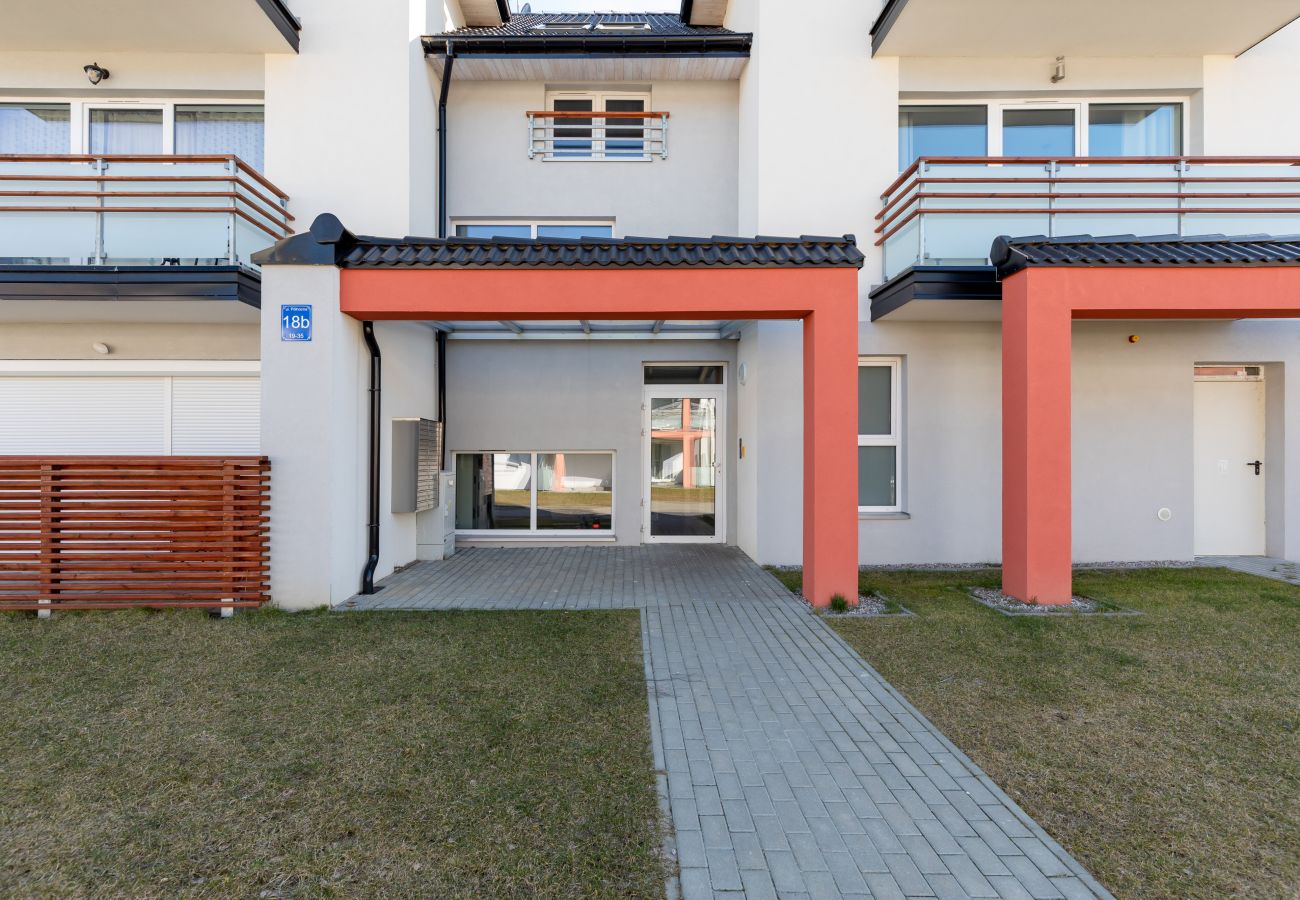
(110, 532)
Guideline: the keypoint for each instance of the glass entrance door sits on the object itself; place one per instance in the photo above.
(684, 493)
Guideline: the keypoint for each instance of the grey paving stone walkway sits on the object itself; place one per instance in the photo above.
(789, 766)
(1264, 566)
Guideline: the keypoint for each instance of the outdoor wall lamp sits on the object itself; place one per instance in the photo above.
(1058, 73)
(96, 73)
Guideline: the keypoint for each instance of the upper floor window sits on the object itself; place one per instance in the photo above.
(35, 127)
(537, 229)
(941, 131)
(623, 135)
(1037, 129)
(134, 128)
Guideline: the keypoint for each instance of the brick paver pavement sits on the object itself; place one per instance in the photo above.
(789, 766)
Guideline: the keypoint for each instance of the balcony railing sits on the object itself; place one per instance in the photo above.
(948, 210)
(597, 135)
(136, 210)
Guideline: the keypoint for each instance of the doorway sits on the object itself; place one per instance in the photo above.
(684, 486)
(1230, 469)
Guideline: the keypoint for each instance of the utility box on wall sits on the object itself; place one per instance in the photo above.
(417, 464)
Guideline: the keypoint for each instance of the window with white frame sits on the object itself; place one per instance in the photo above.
(548, 494)
(1089, 127)
(600, 137)
(880, 434)
(133, 127)
(526, 228)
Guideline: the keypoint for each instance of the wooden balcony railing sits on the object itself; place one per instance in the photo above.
(85, 532)
(597, 135)
(116, 209)
(949, 209)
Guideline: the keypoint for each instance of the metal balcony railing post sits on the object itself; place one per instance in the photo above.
(532, 136)
(922, 254)
(232, 257)
(1181, 170)
(101, 166)
(663, 137)
(1053, 171)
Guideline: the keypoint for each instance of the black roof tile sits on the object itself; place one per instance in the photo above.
(1011, 254)
(630, 252)
(525, 33)
(327, 242)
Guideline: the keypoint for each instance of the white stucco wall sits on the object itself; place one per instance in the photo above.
(580, 395)
(134, 74)
(693, 191)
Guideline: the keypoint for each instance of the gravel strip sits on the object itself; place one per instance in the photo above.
(1005, 603)
(869, 606)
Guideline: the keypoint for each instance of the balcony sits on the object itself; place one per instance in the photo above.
(136, 210)
(1098, 28)
(946, 211)
(602, 135)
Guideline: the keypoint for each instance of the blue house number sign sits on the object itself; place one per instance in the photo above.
(295, 323)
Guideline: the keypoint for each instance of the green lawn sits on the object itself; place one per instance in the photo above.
(1162, 750)
(390, 754)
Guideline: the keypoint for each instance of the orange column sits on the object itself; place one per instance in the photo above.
(1036, 552)
(830, 448)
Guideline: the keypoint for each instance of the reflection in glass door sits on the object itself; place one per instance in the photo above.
(683, 445)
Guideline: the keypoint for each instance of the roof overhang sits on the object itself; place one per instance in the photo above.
(704, 12)
(485, 13)
(226, 284)
(939, 293)
(183, 26)
(1098, 28)
(577, 57)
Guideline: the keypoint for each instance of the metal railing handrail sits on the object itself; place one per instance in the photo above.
(904, 199)
(149, 158)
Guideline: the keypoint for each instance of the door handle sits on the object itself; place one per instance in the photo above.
(1257, 464)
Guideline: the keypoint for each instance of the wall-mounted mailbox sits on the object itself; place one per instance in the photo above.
(417, 462)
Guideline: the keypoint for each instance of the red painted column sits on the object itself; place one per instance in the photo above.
(1036, 548)
(830, 463)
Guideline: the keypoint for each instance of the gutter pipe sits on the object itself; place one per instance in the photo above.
(442, 139)
(372, 524)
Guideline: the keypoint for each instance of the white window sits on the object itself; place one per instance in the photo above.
(880, 434)
(531, 493)
(134, 127)
(1037, 128)
(527, 228)
(623, 136)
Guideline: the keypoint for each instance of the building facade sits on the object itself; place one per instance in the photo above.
(187, 268)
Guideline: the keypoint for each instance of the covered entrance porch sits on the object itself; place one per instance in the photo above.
(546, 348)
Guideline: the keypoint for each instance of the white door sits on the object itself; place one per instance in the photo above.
(1230, 469)
(683, 495)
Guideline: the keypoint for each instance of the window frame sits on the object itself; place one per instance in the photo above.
(895, 437)
(598, 124)
(533, 533)
(994, 107)
(79, 114)
(533, 224)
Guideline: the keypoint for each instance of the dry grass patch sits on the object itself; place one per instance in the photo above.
(386, 754)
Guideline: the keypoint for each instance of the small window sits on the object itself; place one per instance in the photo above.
(1135, 129)
(534, 230)
(1038, 132)
(623, 26)
(683, 374)
(562, 26)
(621, 135)
(879, 435)
(941, 131)
(126, 130)
(535, 493)
(35, 127)
(220, 129)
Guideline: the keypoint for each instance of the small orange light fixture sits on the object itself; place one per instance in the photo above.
(1134, 338)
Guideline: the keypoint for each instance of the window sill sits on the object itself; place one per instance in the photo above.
(597, 159)
(868, 516)
(471, 537)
